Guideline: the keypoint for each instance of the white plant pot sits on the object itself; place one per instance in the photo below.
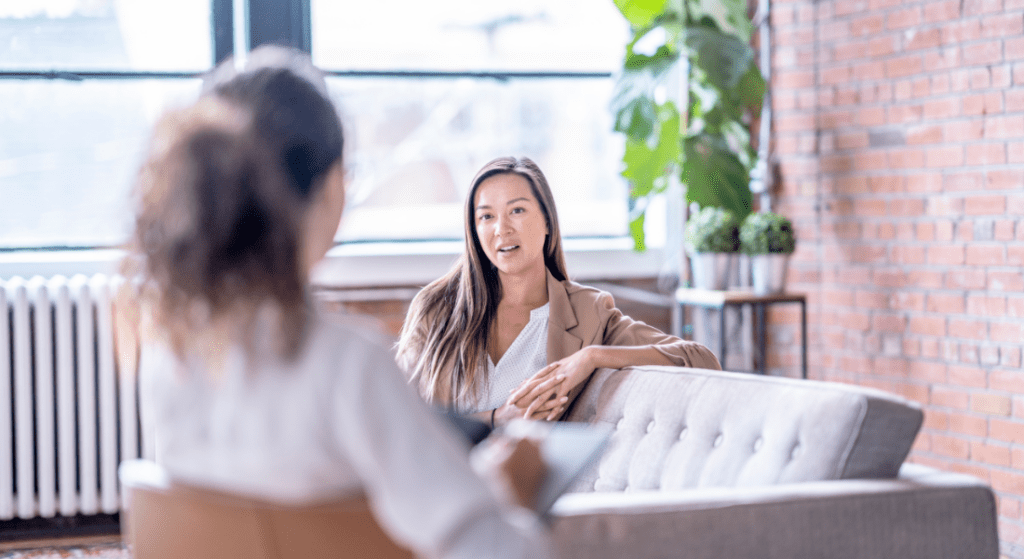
(711, 269)
(769, 273)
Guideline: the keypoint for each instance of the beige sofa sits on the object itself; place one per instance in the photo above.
(707, 464)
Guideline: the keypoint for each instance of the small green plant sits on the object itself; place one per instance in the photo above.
(713, 230)
(767, 233)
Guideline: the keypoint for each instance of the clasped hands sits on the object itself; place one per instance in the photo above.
(544, 396)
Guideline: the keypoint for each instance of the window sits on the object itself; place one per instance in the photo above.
(429, 91)
(85, 80)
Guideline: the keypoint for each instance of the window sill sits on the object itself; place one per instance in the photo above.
(370, 264)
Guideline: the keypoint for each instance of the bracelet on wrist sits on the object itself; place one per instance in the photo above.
(492, 417)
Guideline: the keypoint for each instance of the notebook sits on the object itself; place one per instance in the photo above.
(568, 449)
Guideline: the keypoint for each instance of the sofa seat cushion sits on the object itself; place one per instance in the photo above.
(679, 428)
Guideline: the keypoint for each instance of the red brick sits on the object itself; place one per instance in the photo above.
(947, 397)
(942, 108)
(1006, 381)
(945, 10)
(985, 205)
(867, 24)
(1005, 281)
(902, 19)
(981, 78)
(924, 134)
(925, 279)
(985, 255)
(1004, 231)
(945, 303)
(944, 227)
(963, 376)
(893, 323)
(928, 325)
(966, 279)
(1008, 482)
(908, 301)
(995, 455)
(945, 156)
(952, 447)
(927, 182)
(903, 114)
(870, 70)
(1002, 25)
(1013, 48)
(944, 59)
(933, 373)
(965, 181)
(882, 277)
(961, 31)
(971, 425)
(906, 158)
(924, 39)
(908, 255)
(886, 184)
(986, 154)
(975, 7)
(1006, 332)
(1004, 179)
(963, 130)
(901, 66)
(997, 127)
(970, 329)
(1007, 431)
(983, 305)
(946, 255)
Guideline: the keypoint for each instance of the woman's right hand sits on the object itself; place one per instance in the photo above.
(514, 465)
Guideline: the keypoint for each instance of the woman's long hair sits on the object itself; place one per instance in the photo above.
(222, 201)
(444, 339)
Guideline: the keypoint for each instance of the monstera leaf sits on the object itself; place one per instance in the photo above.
(714, 176)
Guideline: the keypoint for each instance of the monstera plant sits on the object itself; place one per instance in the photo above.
(709, 40)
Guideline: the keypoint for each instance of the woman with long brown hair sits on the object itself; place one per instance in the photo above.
(505, 334)
(249, 387)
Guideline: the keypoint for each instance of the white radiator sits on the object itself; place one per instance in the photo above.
(67, 415)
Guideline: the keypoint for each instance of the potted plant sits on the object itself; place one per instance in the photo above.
(702, 134)
(769, 240)
(712, 241)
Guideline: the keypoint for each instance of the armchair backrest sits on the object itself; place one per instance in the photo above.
(166, 520)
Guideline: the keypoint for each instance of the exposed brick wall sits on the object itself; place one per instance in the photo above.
(899, 133)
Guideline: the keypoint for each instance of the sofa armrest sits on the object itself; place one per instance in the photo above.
(925, 515)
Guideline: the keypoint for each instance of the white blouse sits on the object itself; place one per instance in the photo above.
(527, 355)
(338, 419)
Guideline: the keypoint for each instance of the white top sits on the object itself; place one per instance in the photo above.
(527, 355)
(337, 420)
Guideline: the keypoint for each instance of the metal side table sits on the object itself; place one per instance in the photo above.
(708, 299)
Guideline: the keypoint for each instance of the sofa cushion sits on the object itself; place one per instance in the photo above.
(678, 428)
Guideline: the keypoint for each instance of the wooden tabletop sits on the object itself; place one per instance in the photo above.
(713, 298)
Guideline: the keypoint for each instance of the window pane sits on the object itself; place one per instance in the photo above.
(415, 144)
(581, 35)
(105, 35)
(68, 154)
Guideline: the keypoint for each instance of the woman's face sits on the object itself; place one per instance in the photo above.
(510, 224)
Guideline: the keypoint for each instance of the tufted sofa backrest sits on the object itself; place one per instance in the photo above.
(678, 428)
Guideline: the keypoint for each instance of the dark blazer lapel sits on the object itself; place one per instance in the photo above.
(561, 318)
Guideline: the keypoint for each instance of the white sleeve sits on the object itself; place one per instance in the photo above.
(416, 470)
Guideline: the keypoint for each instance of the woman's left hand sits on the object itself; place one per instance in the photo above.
(553, 383)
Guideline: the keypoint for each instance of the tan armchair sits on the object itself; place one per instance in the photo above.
(164, 520)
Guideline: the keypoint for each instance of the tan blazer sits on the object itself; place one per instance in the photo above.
(582, 316)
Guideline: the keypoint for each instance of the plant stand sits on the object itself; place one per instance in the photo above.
(719, 300)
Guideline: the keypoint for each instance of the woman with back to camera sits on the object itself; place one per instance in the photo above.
(505, 334)
(248, 386)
